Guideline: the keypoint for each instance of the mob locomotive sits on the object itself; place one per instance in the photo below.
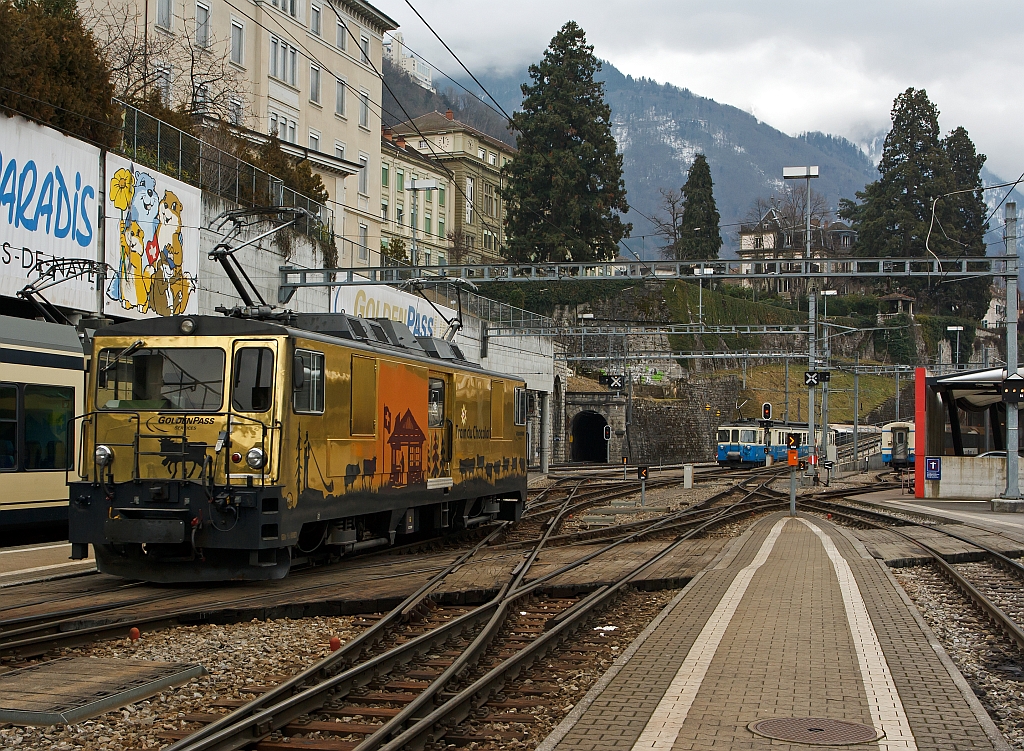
(218, 448)
(747, 444)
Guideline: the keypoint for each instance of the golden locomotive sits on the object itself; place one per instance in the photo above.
(218, 448)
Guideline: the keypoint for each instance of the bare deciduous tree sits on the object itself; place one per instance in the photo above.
(189, 68)
(668, 220)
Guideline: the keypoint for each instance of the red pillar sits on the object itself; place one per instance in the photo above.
(920, 447)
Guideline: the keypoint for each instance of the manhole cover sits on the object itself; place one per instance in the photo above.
(815, 731)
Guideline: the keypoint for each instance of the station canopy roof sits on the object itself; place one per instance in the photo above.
(973, 390)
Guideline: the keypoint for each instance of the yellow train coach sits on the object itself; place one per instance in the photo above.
(220, 448)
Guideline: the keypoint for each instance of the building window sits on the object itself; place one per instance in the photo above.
(426, 223)
(339, 98)
(383, 210)
(237, 42)
(202, 99)
(314, 142)
(470, 190)
(364, 109)
(488, 240)
(364, 177)
(399, 214)
(163, 83)
(489, 202)
(284, 61)
(364, 50)
(440, 260)
(339, 150)
(494, 159)
(202, 25)
(400, 181)
(341, 42)
(364, 251)
(440, 196)
(314, 19)
(440, 229)
(164, 13)
(236, 112)
(430, 195)
(290, 7)
(291, 131)
(482, 153)
(384, 175)
(314, 84)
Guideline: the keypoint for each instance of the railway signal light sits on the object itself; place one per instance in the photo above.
(607, 432)
(766, 411)
(792, 441)
(642, 473)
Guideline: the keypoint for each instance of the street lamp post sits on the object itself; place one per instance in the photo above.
(957, 329)
(806, 174)
(826, 293)
(415, 186)
(700, 273)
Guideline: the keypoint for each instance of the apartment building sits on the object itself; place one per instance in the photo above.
(303, 70)
(475, 159)
(421, 217)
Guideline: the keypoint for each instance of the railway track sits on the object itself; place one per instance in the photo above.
(986, 583)
(416, 693)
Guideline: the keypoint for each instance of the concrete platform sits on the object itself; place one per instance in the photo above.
(795, 620)
(35, 562)
(975, 513)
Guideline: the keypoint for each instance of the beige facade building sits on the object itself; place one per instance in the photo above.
(418, 70)
(475, 159)
(303, 70)
(422, 218)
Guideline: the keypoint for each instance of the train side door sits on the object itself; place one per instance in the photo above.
(440, 399)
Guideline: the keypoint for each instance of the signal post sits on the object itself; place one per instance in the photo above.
(793, 460)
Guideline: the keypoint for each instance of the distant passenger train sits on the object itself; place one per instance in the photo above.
(746, 444)
(898, 444)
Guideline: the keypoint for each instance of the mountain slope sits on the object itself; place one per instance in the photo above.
(660, 128)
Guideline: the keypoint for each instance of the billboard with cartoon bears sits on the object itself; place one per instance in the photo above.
(152, 242)
(49, 189)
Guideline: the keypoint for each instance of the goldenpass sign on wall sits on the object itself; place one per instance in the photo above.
(49, 185)
(152, 239)
(385, 302)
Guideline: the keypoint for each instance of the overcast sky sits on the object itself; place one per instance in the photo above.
(798, 66)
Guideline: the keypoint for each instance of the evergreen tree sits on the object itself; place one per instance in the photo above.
(700, 236)
(893, 215)
(564, 190)
(52, 72)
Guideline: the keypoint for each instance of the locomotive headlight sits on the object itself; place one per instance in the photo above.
(256, 458)
(187, 326)
(104, 455)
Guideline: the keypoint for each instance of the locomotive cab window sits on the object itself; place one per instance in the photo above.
(435, 403)
(133, 377)
(252, 389)
(747, 436)
(308, 382)
(735, 436)
(520, 407)
(723, 436)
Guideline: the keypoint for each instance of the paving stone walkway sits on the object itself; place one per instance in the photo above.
(796, 620)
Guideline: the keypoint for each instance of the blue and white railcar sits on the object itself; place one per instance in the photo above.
(898, 444)
(740, 444)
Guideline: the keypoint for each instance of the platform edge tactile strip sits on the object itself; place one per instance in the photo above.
(133, 689)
